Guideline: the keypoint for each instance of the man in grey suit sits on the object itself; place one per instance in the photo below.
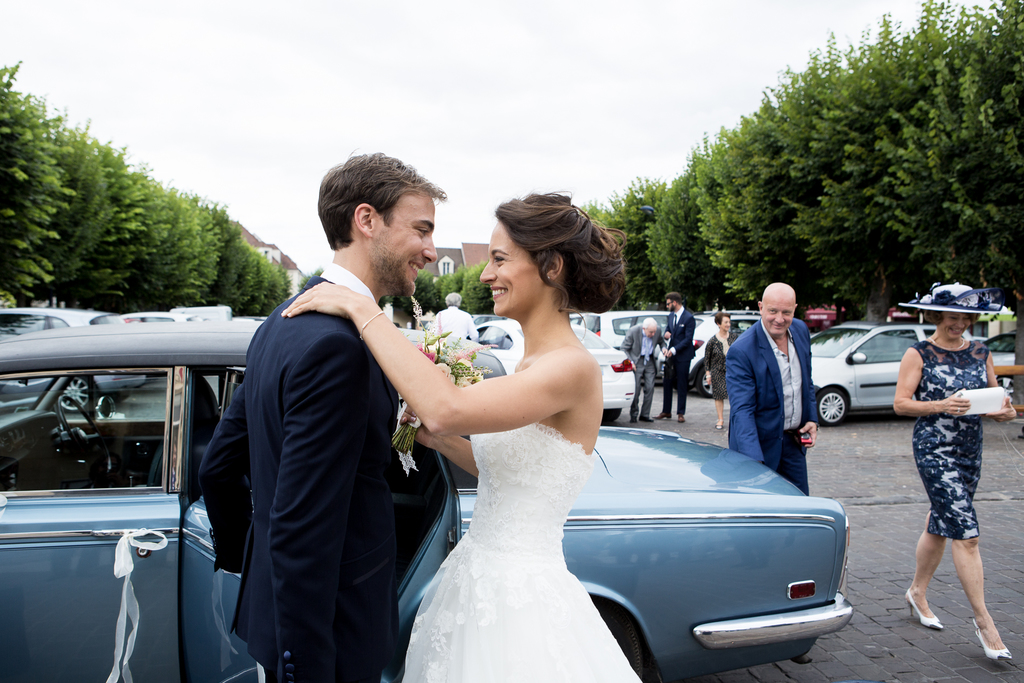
(639, 346)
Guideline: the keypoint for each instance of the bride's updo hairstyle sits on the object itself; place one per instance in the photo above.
(549, 228)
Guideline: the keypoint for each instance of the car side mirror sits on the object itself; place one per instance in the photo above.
(856, 359)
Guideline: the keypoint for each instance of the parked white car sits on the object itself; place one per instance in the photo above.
(158, 317)
(220, 313)
(14, 321)
(855, 365)
(508, 345)
(705, 330)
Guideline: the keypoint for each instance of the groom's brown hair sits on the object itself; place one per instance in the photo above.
(374, 179)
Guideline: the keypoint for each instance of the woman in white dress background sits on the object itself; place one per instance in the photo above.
(504, 606)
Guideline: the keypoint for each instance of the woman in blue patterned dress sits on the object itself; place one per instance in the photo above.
(947, 445)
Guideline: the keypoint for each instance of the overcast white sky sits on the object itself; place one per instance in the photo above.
(249, 103)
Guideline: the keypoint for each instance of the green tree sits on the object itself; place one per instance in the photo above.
(476, 296)
(960, 157)
(426, 296)
(678, 251)
(450, 282)
(30, 188)
(748, 203)
(643, 286)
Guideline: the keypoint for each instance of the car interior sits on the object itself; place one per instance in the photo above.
(82, 431)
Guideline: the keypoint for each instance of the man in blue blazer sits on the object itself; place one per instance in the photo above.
(771, 395)
(679, 333)
(310, 428)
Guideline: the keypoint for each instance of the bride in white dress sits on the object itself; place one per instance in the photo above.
(504, 607)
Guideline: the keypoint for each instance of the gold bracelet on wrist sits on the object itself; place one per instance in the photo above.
(363, 328)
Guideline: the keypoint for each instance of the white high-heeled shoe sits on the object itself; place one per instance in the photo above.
(989, 652)
(930, 622)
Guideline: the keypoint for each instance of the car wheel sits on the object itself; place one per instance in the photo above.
(611, 414)
(1006, 383)
(704, 384)
(832, 407)
(78, 391)
(621, 625)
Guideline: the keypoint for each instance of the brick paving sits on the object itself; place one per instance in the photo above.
(867, 464)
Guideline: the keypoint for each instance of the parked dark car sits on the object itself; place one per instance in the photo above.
(701, 560)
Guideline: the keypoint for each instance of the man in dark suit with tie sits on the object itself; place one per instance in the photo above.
(771, 394)
(640, 345)
(679, 334)
(310, 428)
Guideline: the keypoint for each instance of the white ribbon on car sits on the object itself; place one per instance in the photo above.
(123, 566)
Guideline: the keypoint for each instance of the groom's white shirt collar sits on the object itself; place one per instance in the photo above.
(337, 275)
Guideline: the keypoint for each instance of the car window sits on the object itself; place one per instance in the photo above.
(107, 320)
(620, 326)
(82, 431)
(888, 346)
(20, 323)
(741, 325)
(831, 343)
(1004, 343)
(57, 323)
(593, 322)
(497, 337)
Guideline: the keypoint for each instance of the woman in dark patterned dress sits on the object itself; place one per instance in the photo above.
(714, 361)
(947, 445)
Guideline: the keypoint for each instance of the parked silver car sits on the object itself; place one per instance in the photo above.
(1004, 352)
(855, 365)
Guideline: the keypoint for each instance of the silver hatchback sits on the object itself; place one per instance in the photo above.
(855, 366)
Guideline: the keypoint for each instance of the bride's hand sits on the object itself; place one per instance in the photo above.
(325, 297)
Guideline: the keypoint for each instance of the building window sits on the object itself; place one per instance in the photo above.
(446, 266)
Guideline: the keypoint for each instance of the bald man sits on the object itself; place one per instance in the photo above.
(772, 412)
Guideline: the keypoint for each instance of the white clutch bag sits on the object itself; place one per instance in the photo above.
(983, 400)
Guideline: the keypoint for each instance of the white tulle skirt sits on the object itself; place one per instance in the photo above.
(491, 618)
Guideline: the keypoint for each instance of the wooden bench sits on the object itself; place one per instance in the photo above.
(1011, 370)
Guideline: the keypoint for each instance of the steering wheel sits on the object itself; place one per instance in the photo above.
(76, 436)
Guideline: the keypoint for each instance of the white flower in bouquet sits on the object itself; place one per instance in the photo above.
(454, 358)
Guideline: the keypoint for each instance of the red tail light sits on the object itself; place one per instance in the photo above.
(801, 589)
(697, 343)
(624, 366)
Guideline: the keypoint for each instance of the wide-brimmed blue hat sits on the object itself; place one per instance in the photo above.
(958, 298)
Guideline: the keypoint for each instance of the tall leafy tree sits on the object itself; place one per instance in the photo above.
(960, 155)
(476, 296)
(839, 113)
(30, 188)
(749, 203)
(627, 212)
(678, 250)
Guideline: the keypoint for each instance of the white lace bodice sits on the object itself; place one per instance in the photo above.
(529, 479)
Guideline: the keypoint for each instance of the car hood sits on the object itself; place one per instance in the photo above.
(664, 461)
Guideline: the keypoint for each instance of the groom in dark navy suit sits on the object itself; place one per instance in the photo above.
(771, 394)
(679, 333)
(310, 428)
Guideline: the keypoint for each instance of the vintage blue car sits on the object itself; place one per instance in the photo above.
(700, 559)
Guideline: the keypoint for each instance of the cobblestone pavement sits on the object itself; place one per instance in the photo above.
(867, 464)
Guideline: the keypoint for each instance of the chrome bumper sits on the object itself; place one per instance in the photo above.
(775, 628)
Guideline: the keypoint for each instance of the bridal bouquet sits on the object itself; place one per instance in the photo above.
(454, 358)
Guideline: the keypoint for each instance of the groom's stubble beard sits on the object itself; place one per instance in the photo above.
(389, 268)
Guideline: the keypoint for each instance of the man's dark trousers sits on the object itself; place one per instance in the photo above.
(793, 465)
